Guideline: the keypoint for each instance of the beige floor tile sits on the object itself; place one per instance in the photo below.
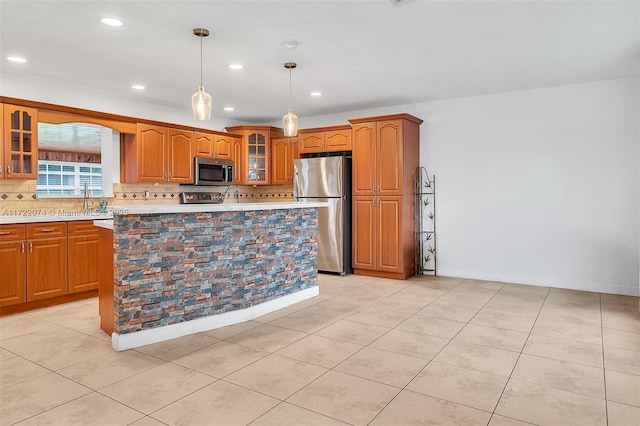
(563, 375)
(499, 319)
(357, 297)
(410, 408)
(304, 321)
(497, 420)
(267, 337)
(524, 290)
(67, 313)
(161, 386)
(224, 333)
(276, 376)
(500, 338)
(220, 359)
(35, 396)
(623, 387)
(5, 355)
(286, 414)
(616, 299)
(529, 305)
(46, 338)
(624, 321)
(283, 312)
(413, 344)
(622, 414)
(102, 371)
(18, 370)
(478, 357)
(382, 366)
(587, 333)
(344, 397)
(450, 312)
(421, 292)
(221, 402)
(431, 325)
(318, 350)
(92, 409)
(572, 295)
(310, 302)
(88, 326)
(564, 350)
(465, 299)
(375, 316)
(622, 360)
(547, 406)
(459, 385)
(399, 304)
(333, 309)
(621, 339)
(71, 352)
(353, 332)
(147, 421)
(579, 315)
(175, 348)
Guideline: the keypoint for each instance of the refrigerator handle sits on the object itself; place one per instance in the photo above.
(295, 186)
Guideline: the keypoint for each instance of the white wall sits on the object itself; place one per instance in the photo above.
(537, 186)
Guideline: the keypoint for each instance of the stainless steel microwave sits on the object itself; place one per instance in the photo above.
(210, 171)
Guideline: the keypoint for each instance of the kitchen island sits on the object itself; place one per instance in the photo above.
(185, 269)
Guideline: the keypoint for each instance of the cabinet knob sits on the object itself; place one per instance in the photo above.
(8, 171)
(47, 230)
(4, 232)
(22, 247)
(30, 247)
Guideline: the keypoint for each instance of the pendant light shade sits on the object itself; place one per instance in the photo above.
(290, 120)
(201, 100)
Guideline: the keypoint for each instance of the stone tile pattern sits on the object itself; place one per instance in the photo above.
(171, 268)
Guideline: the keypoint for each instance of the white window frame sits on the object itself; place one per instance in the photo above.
(78, 187)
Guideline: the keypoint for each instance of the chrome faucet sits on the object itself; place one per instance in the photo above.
(85, 200)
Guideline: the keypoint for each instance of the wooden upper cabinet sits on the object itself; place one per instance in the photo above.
(325, 139)
(236, 157)
(389, 149)
(203, 144)
(254, 167)
(20, 142)
(311, 142)
(282, 156)
(364, 159)
(222, 147)
(157, 154)
(152, 142)
(180, 156)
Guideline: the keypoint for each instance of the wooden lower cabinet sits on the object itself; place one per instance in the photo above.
(83, 256)
(105, 274)
(13, 264)
(381, 244)
(46, 268)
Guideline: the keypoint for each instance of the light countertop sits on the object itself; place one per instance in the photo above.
(33, 215)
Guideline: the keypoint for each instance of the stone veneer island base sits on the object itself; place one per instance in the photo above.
(179, 270)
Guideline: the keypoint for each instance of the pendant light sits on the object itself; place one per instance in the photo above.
(290, 120)
(201, 100)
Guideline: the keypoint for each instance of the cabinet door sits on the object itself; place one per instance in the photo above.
(83, 263)
(180, 150)
(222, 146)
(20, 142)
(311, 142)
(389, 234)
(281, 161)
(389, 144)
(238, 164)
(337, 140)
(364, 158)
(152, 153)
(13, 264)
(257, 158)
(295, 151)
(204, 144)
(46, 268)
(364, 229)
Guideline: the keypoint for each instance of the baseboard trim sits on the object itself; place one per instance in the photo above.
(122, 342)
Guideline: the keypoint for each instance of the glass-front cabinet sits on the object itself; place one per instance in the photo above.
(252, 168)
(20, 127)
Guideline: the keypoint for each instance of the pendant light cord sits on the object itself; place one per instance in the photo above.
(201, 60)
(289, 88)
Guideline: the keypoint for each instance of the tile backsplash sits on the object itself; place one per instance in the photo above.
(22, 195)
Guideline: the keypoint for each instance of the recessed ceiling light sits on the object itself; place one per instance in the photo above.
(16, 59)
(229, 108)
(316, 93)
(138, 87)
(112, 22)
(236, 66)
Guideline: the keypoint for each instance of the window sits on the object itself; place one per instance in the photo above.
(65, 178)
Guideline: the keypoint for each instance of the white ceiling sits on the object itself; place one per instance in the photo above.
(359, 54)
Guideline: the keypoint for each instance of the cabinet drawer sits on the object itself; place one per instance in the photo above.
(46, 230)
(12, 232)
(82, 227)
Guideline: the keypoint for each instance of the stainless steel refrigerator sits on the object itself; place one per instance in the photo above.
(328, 179)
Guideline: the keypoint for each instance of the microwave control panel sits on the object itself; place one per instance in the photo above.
(201, 197)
